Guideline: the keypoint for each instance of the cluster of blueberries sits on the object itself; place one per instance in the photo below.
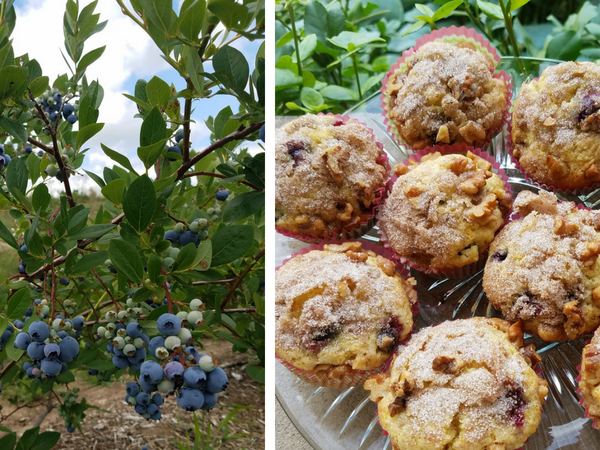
(4, 158)
(49, 349)
(52, 101)
(195, 232)
(177, 147)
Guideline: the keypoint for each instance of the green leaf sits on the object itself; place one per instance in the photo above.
(86, 133)
(231, 242)
(126, 259)
(7, 236)
(232, 61)
(139, 102)
(243, 205)
(139, 203)
(33, 166)
(490, 10)
(285, 78)
(16, 176)
(154, 269)
(193, 66)
(93, 231)
(203, 256)
(41, 197)
(234, 15)
(150, 153)
(89, 262)
(311, 98)
(307, 47)
(315, 21)
(424, 9)
(118, 157)
(339, 93)
(39, 86)
(159, 12)
(185, 257)
(48, 439)
(516, 4)
(565, 46)
(414, 27)
(99, 181)
(191, 17)
(14, 128)
(8, 442)
(257, 373)
(88, 59)
(12, 80)
(114, 190)
(18, 304)
(446, 10)
(158, 93)
(100, 364)
(154, 128)
(350, 40)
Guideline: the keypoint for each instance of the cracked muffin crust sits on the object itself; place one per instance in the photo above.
(447, 95)
(556, 126)
(328, 175)
(542, 269)
(340, 310)
(461, 385)
(590, 376)
(443, 212)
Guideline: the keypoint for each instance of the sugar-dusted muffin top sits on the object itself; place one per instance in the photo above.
(590, 376)
(443, 212)
(447, 95)
(340, 309)
(464, 384)
(556, 126)
(327, 175)
(543, 268)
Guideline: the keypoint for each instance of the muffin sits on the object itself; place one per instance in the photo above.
(446, 95)
(329, 176)
(339, 312)
(589, 383)
(542, 268)
(466, 384)
(443, 212)
(556, 126)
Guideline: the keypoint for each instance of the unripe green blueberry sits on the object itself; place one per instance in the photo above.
(123, 316)
(202, 235)
(166, 386)
(182, 315)
(101, 331)
(130, 303)
(203, 222)
(45, 310)
(137, 311)
(131, 311)
(132, 400)
(173, 252)
(172, 343)
(51, 170)
(68, 325)
(195, 318)
(118, 342)
(67, 303)
(111, 316)
(53, 334)
(210, 211)
(167, 263)
(58, 324)
(207, 363)
(195, 304)
(184, 336)
(109, 335)
(161, 353)
(122, 332)
(108, 262)
(179, 227)
(129, 349)
(217, 209)
(194, 227)
(139, 343)
(111, 327)
(128, 339)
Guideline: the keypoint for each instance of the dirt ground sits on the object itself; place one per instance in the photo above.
(123, 429)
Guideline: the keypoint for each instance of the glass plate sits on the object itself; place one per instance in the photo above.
(332, 419)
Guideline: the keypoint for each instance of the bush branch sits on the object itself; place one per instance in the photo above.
(218, 175)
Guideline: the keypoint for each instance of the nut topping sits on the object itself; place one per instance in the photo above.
(447, 364)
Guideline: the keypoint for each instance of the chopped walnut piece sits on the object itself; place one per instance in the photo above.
(360, 257)
(481, 163)
(515, 334)
(500, 324)
(591, 250)
(472, 185)
(412, 191)
(542, 390)
(407, 381)
(447, 364)
(496, 447)
(528, 352)
(443, 135)
(460, 165)
(400, 169)
(334, 156)
(549, 122)
(347, 214)
(575, 325)
(596, 296)
(563, 226)
(387, 266)
(591, 356)
(472, 132)
(480, 212)
(343, 248)
(340, 372)
(592, 172)
(397, 406)
(556, 168)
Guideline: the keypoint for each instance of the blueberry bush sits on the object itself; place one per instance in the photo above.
(174, 255)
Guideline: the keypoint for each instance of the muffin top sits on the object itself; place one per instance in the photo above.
(447, 95)
(542, 268)
(329, 174)
(590, 376)
(444, 211)
(464, 384)
(556, 126)
(340, 309)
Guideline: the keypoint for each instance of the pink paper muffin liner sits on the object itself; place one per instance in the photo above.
(451, 35)
(546, 187)
(353, 231)
(469, 269)
(537, 370)
(595, 423)
(358, 377)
